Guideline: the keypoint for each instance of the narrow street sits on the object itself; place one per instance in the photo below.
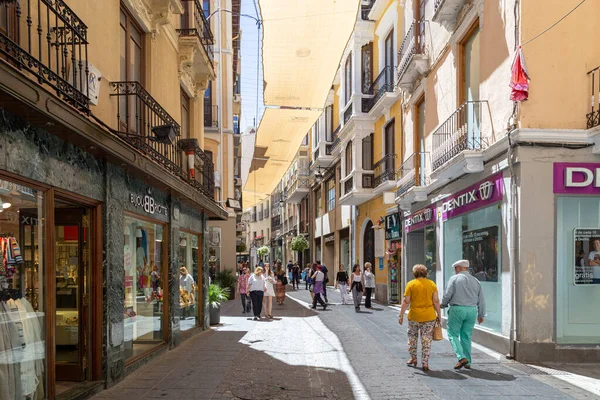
(332, 354)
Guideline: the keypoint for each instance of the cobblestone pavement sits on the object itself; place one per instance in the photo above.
(332, 354)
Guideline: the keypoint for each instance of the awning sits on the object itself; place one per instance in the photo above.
(303, 42)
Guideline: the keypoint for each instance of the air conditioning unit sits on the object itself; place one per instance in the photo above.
(237, 181)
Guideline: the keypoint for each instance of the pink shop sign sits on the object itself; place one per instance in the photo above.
(420, 219)
(481, 194)
(577, 178)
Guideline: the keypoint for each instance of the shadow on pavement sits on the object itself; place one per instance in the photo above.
(488, 376)
(442, 374)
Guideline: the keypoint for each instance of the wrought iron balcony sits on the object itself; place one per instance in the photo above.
(138, 116)
(348, 185)
(385, 170)
(365, 9)
(48, 40)
(382, 84)
(204, 181)
(211, 114)
(412, 57)
(348, 112)
(299, 189)
(447, 10)
(461, 131)
(194, 23)
(593, 117)
(412, 172)
(336, 140)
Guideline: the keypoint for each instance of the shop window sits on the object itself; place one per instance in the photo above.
(214, 251)
(476, 236)
(577, 297)
(145, 280)
(430, 252)
(22, 292)
(189, 273)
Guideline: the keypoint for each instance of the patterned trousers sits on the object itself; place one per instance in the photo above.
(426, 330)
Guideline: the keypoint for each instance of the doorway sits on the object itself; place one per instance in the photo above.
(369, 246)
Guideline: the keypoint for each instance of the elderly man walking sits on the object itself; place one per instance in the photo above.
(465, 297)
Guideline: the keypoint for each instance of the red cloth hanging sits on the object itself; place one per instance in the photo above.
(519, 78)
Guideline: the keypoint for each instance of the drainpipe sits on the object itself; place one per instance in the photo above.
(220, 103)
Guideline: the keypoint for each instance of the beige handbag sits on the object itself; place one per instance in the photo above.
(437, 331)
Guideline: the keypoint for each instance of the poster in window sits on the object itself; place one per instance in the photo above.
(587, 256)
(480, 247)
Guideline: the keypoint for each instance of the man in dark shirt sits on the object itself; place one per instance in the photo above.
(324, 271)
(296, 276)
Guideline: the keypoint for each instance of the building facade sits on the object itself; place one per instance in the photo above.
(107, 186)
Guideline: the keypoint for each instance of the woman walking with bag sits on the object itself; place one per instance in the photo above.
(257, 288)
(422, 296)
(319, 279)
(357, 283)
(369, 284)
(269, 293)
(281, 282)
(341, 281)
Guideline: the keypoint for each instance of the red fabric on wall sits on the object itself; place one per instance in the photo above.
(519, 79)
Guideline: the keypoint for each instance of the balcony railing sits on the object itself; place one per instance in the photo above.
(462, 131)
(302, 182)
(593, 117)
(412, 172)
(211, 115)
(413, 44)
(204, 181)
(365, 9)
(138, 117)
(194, 23)
(49, 41)
(382, 84)
(368, 181)
(348, 112)
(348, 185)
(335, 137)
(385, 170)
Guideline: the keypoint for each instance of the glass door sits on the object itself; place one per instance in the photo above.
(71, 264)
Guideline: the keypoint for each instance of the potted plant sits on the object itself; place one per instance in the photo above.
(263, 251)
(216, 295)
(226, 280)
(299, 243)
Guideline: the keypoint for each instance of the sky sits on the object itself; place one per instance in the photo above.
(250, 57)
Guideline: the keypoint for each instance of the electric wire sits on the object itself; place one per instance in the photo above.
(554, 24)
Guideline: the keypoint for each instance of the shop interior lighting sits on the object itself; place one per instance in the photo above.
(5, 202)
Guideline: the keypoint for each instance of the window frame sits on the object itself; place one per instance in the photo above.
(348, 160)
(348, 80)
(330, 187)
(185, 121)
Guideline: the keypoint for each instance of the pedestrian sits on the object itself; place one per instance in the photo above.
(422, 296)
(341, 282)
(319, 279)
(281, 283)
(311, 285)
(307, 275)
(369, 284)
(296, 276)
(257, 287)
(357, 283)
(242, 289)
(464, 295)
(325, 271)
(269, 293)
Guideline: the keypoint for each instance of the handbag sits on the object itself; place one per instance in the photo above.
(437, 331)
(284, 280)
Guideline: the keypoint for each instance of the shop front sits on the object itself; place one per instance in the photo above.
(421, 244)
(393, 237)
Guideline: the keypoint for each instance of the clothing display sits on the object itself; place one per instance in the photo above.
(11, 256)
(22, 350)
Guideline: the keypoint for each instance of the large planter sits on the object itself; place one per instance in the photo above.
(215, 315)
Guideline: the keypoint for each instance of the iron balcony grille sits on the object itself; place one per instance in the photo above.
(335, 138)
(138, 114)
(48, 40)
(412, 172)
(194, 23)
(593, 117)
(299, 183)
(368, 181)
(436, 5)
(211, 114)
(413, 44)
(348, 185)
(382, 84)
(384, 170)
(348, 112)
(462, 131)
(365, 9)
(205, 179)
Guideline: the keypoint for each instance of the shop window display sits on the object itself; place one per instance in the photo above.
(144, 284)
(22, 306)
(188, 280)
(214, 251)
(476, 236)
(430, 253)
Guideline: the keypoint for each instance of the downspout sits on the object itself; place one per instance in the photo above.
(220, 104)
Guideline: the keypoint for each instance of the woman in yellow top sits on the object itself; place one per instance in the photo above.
(422, 296)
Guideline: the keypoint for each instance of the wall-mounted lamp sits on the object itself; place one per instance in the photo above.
(5, 202)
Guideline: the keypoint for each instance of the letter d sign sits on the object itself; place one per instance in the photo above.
(570, 171)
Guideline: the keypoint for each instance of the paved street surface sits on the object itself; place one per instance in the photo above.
(332, 354)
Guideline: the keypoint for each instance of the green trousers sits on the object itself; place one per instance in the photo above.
(461, 321)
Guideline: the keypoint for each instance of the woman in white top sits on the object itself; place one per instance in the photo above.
(257, 288)
(357, 285)
(270, 292)
(369, 280)
(319, 279)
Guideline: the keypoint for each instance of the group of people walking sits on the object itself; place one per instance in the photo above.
(257, 289)
(358, 283)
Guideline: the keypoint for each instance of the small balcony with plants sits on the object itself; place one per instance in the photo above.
(413, 178)
(413, 60)
(384, 177)
(460, 141)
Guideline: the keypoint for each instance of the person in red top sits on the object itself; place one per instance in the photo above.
(242, 289)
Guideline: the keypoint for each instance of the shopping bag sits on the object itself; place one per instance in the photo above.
(437, 331)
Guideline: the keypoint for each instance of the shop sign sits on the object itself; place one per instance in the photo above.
(392, 226)
(479, 195)
(577, 178)
(586, 269)
(330, 239)
(420, 219)
(147, 203)
(381, 264)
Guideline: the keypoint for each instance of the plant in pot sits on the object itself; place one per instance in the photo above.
(263, 251)
(299, 243)
(226, 280)
(216, 295)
